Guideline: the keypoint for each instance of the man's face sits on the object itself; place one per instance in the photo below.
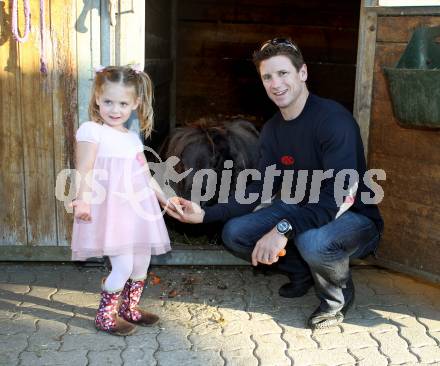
(284, 85)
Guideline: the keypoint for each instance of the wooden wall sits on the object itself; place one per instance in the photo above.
(410, 157)
(159, 64)
(37, 119)
(215, 41)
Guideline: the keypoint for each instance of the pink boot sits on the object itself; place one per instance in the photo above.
(107, 318)
(129, 310)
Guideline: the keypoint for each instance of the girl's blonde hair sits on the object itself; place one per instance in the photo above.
(128, 76)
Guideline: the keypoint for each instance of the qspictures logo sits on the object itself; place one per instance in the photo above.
(344, 184)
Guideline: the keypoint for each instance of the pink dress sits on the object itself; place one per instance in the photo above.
(126, 216)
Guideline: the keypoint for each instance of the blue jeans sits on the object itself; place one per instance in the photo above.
(321, 254)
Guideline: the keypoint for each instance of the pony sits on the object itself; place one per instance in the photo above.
(206, 144)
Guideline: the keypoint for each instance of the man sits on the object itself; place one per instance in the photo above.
(309, 137)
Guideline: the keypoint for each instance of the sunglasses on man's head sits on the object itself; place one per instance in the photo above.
(279, 41)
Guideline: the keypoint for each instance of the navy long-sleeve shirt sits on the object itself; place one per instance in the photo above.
(324, 137)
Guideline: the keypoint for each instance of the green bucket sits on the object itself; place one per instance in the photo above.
(414, 83)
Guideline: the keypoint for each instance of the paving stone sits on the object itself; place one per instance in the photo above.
(331, 357)
(21, 324)
(8, 358)
(174, 311)
(235, 327)
(436, 336)
(173, 337)
(50, 357)
(143, 340)
(394, 347)
(394, 312)
(42, 292)
(382, 285)
(134, 356)
(240, 357)
(13, 343)
(235, 342)
(261, 327)
(298, 338)
(428, 354)
(344, 340)
(288, 316)
(5, 313)
(80, 324)
(232, 315)
(14, 293)
(79, 301)
(47, 336)
(369, 357)
(363, 290)
(242, 322)
(189, 358)
(408, 285)
(205, 341)
(378, 325)
(100, 358)
(271, 350)
(100, 341)
(428, 316)
(414, 333)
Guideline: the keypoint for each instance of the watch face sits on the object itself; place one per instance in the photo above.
(283, 226)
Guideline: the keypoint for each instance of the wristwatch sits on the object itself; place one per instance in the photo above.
(284, 228)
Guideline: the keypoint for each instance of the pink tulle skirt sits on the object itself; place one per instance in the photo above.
(126, 216)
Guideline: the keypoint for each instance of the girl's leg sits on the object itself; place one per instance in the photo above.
(132, 293)
(122, 267)
(106, 317)
(140, 267)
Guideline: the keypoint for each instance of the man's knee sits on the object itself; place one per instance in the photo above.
(314, 248)
(231, 233)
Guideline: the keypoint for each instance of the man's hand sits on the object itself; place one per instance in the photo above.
(267, 249)
(190, 212)
(81, 210)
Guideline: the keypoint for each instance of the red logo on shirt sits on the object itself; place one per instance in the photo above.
(287, 160)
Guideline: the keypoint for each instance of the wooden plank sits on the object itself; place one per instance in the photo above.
(173, 55)
(364, 73)
(318, 44)
(64, 101)
(158, 18)
(410, 157)
(160, 70)
(158, 63)
(400, 29)
(12, 183)
(404, 10)
(38, 136)
(418, 187)
(88, 52)
(319, 13)
(156, 47)
(409, 238)
(162, 101)
(130, 44)
(217, 86)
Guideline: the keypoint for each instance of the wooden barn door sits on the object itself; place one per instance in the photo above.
(409, 156)
(159, 55)
(37, 118)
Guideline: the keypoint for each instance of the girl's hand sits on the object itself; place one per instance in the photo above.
(189, 212)
(81, 210)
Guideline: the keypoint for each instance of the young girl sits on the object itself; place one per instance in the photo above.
(117, 211)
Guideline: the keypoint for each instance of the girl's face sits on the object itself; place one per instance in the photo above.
(116, 102)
